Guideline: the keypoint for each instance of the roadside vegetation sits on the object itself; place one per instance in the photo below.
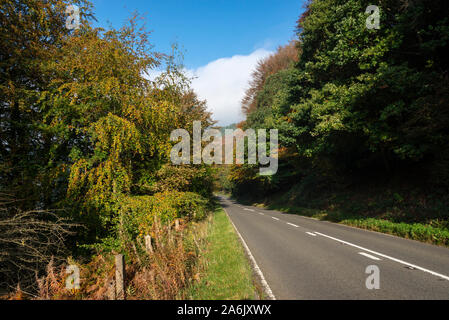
(362, 117)
(377, 212)
(85, 157)
(225, 270)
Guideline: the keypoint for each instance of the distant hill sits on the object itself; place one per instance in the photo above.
(231, 126)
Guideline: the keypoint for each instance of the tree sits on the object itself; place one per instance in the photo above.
(360, 100)
(30, 32)
(372, 93)
(284, 57)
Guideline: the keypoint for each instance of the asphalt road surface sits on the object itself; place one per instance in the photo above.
(303, 258)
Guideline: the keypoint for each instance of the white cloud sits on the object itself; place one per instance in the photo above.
(223, 83)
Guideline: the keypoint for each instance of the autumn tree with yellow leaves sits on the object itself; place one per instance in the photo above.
(83, 128)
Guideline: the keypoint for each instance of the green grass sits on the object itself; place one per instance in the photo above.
(226, 273)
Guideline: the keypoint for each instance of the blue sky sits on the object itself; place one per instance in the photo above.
(220, 39)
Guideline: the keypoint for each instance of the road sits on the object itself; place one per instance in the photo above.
(303, 258)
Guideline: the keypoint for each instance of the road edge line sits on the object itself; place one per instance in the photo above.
(255, 266)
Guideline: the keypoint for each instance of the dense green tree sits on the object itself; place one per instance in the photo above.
(362, 100)
(374, 88)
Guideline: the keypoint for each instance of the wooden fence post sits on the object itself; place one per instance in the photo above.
(148, 244)
(119, 277)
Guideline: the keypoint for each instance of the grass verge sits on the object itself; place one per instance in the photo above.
(225, 273)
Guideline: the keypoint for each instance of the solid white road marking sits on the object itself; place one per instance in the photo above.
(312, 234)
(294, 225)
(369, 256)
(264, 283)
(442, 276)
(275, 218)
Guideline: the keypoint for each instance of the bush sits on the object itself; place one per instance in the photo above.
(167, 206)
(136, 216)
(161, 275)
(183, 179)
(29, 241)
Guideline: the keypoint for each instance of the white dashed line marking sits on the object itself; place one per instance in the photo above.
(293, 225)
(311, 233)
(275, 218)
(248, 209)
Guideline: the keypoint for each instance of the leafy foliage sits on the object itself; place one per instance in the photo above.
(84, 130)
(282, 59)
(360, 102)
